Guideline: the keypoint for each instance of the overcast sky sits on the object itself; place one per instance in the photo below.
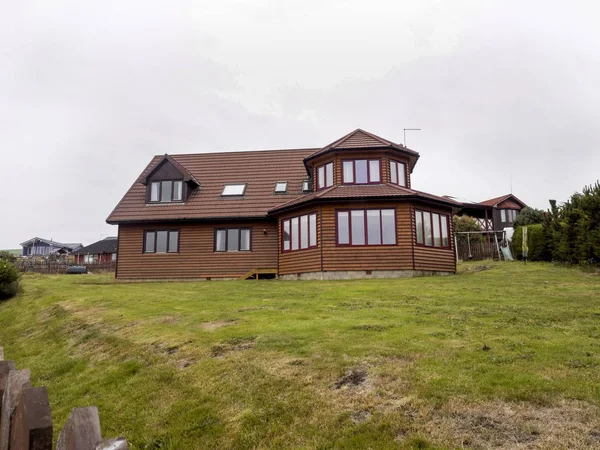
(91, 90)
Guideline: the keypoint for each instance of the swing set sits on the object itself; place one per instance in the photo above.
(485, 248)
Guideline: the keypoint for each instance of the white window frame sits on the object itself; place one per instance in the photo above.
(241, 190)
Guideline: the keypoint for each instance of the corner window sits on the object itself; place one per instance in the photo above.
(432, 229)
(366, 227)
(398, 173)
(232, 239)
(281, 187)
(161, 241)
(361, 171)
(233, 189)
(299, 233)
(166, 191)
(325, 176)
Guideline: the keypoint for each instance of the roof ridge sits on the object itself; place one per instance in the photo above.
(262, 150)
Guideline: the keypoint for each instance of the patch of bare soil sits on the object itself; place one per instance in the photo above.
(353, 378)
(501, 425)
(215, 325)
(169, 320)
(232, 345)
(360, 416)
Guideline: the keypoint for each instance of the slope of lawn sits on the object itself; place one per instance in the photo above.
(506, 357)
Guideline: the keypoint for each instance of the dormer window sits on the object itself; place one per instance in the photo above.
(231, 190)
(398, 173)
(325, 176)
(361, 171)
(281, 187)
(166, 191)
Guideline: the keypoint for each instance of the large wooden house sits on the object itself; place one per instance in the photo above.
(346, 210)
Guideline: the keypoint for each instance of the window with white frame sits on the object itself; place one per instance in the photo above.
(325, 176)
(398, 173)
(299, 233)
(166, 191)
(281, 187)
(230, 190)
(233, 239)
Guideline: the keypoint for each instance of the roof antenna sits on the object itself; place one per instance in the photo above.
(409, 129)
(511, 183)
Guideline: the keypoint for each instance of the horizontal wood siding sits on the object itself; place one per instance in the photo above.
(196, 258)
(300, 261)
(434, 258)
(394, 257)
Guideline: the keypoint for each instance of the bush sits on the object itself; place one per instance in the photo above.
(7, 256)
(9, 280)
(536, 243)
(529, 216)
(466, 223)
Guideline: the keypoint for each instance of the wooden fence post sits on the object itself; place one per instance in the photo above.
(18, 380)
(31, 426)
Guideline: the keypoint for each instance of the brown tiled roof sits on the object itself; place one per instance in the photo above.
(495, 201)
(362, 139)
(260, 169)
(363, 191)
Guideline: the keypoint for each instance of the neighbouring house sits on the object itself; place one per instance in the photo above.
(102, 251)
(346, 210)
(495, 214)
(47, 247)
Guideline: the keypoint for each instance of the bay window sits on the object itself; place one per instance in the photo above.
(366, 227)
(299, 233)
(232, 239)
(432, 229)
(398, 173)
(325, 176)
(166, 191)
(161, 241)
(361, 171)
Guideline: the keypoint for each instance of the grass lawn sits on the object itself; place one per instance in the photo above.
(506, 357)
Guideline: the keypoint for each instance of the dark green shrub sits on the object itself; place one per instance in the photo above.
(536, 242)
(9, 279)
(529, 216)
(463, 224)
(7, 256)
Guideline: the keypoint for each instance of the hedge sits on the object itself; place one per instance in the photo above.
(536, 242)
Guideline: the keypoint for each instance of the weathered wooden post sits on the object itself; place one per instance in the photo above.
(82, 432)
(31, 425)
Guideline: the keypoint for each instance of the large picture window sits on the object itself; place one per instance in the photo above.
(398, 173)
(366, 227)
(361, 171)
(325, 176)
(433, 230)
(232, 239)
(161, 241)
(299, 233)
(166, 191)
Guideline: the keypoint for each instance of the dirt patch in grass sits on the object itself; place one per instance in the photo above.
(353, 378)
(502, 425)
(378, 328)
(216, 324)
(232, 345)
(169, 320)
(360, 416)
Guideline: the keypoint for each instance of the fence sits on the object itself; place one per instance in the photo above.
(476, 250)
(58, 267)
(26, 418)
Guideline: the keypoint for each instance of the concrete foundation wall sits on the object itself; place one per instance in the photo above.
(361, 274)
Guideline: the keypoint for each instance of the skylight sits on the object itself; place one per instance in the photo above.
(234, 189)
(281, 187)
(306, 186)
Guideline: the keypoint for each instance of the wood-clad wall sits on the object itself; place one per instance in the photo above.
(383, 257)
(196, 258)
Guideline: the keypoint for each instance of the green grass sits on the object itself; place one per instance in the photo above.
(272, 364)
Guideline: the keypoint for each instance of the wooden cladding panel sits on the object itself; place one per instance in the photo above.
(196, 258)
